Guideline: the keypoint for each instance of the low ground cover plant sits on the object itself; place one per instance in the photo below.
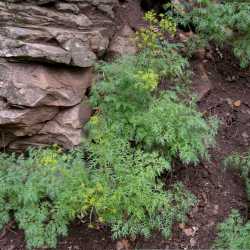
(142, 129)
(234, 233)
(222, 22)
(47, 190)
(241, 163)
(132, 112)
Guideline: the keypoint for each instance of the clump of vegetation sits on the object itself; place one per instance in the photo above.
(137, 131)
(44, 193)
(48, 189)
(241, 163)
(233, 234)
(140, 130)
(223, 22)
(130, 109)
(131, 200)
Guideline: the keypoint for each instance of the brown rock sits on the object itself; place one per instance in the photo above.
(27, 116)
(35, 36)
(65, 129)
(188, 231)
(123, 43)
(123, 245)
(41, 105)
(33, 85)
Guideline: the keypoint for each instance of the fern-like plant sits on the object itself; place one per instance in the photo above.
(223, 22)
(130, 107)
(233, 234)
(48, 189)
(43, 192)
(129, 197)
(136, 133)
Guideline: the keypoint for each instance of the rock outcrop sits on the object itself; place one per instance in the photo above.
(121, 43)
(47, 49)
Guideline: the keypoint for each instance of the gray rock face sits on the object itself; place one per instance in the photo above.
(47, 49)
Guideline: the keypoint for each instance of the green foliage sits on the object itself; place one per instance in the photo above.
(133, 138)
(174, 129)
(193, 44)
(42, 192)
(227, 22)
(136, 133)
(131, 110)
(242, 164)
(127, 84)
(129, 197)
(47, 190)
(233, 234)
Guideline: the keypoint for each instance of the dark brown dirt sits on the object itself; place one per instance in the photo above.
(217, 191)
(80, 238)
(230, 101)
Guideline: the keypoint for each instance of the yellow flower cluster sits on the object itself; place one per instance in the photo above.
(167, 25)
(148, 38)
(151, 36)
(48, 158)
(147, 80)
(151, 17)
(94, 120)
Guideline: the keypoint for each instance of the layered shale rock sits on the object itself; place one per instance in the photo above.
(33, 95)
(121, 43)
(47, 49)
